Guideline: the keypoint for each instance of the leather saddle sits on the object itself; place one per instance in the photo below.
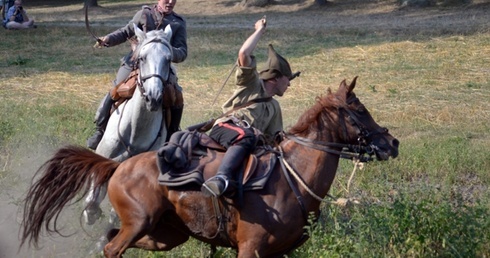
(191, 157)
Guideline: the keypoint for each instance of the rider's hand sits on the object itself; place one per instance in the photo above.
(260, 24)
(101, 42)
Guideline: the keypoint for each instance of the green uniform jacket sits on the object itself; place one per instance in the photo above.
(148, 19)
(265, 116)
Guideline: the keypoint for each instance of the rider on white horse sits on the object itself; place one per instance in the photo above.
(147, 19)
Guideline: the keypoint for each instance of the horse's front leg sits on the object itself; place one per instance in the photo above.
(93, 200)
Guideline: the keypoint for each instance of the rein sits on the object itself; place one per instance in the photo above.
(139, 83)
(359, 153)
(141, 78)
(126, 146)
(349, 151)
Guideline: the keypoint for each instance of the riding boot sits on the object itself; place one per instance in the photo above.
(101, 118)
(175, 117)
(233, 160)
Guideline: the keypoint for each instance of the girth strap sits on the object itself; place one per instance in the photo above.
(220, 219)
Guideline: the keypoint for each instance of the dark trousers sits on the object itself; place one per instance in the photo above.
(228, 134)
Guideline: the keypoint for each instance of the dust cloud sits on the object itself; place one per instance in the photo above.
(16, 172)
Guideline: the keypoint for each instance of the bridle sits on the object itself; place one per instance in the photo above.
(141, 80)
(363, 151)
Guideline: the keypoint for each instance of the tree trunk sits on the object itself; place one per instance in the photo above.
(91, 3)
(321, 2)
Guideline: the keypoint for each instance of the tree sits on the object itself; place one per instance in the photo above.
(91, 3)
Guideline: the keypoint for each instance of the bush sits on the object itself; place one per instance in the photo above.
(409, 226)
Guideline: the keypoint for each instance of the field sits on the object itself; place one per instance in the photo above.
(424, 73)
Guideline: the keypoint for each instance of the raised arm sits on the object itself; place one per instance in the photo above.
(245, 52)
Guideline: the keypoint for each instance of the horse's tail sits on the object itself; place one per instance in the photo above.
(62, 177)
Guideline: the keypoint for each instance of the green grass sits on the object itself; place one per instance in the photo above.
(430, 88)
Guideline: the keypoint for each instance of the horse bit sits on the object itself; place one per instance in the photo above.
(139, 83)
(142, 79)
(362, 152)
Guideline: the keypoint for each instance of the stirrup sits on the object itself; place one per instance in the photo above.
(205, 189)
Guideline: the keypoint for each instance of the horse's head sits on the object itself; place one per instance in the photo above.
(358, 125)
(154, 56)
(339, 121)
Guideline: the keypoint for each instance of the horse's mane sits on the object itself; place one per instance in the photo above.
(310, 116)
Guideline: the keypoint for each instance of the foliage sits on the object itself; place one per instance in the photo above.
(409, 226)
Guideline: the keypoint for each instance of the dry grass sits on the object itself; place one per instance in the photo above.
(415, 64)
(417, 68)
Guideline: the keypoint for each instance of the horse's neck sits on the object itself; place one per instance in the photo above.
(317, 168)
(142, 126)
(137, 100)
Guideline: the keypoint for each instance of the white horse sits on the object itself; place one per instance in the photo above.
(138, 125)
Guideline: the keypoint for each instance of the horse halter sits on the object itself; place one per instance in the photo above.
(142, 79)
(363, 151)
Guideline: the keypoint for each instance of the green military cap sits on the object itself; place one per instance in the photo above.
(276, 65)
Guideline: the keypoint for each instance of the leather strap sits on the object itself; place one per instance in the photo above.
(207, 125)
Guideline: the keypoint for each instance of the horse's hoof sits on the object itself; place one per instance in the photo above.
(113, 218)
(91, 216)
(99, 246)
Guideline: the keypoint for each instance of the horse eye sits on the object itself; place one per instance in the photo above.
(361, 109)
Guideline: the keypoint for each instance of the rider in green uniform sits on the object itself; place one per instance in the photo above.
(253, 109)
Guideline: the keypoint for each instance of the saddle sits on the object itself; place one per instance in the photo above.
(172, 97)
(125, 89)
(191, 157)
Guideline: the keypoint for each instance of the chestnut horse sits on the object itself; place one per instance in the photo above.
(265, 223)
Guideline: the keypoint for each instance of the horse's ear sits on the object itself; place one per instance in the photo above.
(343, 89)
(139, 33)
(168, 32)
(352, 85)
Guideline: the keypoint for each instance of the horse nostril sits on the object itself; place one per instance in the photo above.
(395, 143)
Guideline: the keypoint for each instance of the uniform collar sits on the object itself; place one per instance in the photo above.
(160, 10)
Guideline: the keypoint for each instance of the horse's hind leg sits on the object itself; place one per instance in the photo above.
(134, 232)
(173, 239)
(92, 210)
(135, 220)
(164, 236)
(126, 236)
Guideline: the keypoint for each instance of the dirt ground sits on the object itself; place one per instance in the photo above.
(366, 15)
